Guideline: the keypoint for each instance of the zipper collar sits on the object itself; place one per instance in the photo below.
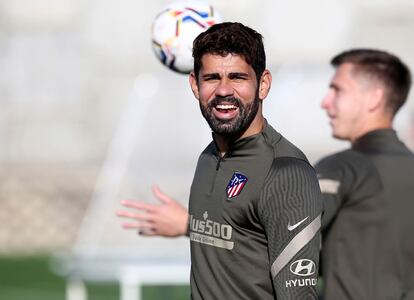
(377, 140)
(241, 146)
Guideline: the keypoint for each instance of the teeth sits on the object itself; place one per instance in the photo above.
(226, 106)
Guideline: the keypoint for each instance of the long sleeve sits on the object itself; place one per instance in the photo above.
(290, 211)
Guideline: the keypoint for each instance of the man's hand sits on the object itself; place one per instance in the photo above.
(168, 219)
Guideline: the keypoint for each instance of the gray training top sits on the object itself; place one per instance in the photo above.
(368, 244)
(255, 222)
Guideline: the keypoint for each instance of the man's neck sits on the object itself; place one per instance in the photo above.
(223, 142)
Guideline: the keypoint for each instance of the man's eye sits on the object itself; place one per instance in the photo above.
(210, 78)
(239, 77)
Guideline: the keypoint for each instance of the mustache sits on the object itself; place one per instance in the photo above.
(218, 100)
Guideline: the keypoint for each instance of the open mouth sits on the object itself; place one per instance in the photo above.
(225, 111)
(224, 108)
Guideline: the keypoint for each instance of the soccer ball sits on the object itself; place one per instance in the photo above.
(175, 28)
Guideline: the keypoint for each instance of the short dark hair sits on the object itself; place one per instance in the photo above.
(385, 67)
(231, 38)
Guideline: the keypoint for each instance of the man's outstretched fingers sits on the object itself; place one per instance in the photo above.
(135, 225)
(160, 195)
(128, 214)
(139, 205)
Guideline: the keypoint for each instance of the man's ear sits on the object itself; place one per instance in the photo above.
(265, 84)
(376, 99)
(194, 85)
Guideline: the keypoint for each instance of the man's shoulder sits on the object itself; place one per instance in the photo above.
(288, 159)
(281, 146)
(346, 159)
(349, 168)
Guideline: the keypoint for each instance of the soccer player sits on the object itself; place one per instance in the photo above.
(255, 203)
(368, 190)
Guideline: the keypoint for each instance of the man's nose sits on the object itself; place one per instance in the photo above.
(327, 100)
(224, 88)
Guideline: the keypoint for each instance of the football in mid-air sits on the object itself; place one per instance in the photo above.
(175, 28)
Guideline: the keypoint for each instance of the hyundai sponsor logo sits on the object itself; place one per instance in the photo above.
(301, 282)
(303, 267)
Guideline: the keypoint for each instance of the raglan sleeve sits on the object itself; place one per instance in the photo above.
(334, 176)
(345, 178)
(290, 209)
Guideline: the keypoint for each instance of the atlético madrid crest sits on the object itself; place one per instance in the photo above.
(236, 184)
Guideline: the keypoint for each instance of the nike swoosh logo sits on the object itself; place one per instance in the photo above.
(291, 227)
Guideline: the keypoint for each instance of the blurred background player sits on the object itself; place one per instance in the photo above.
(368, 251)
(255, 204)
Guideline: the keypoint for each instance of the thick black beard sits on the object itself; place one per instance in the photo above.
(234, 128)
